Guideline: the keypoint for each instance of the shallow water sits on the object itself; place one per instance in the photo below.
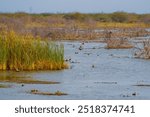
(95, 73)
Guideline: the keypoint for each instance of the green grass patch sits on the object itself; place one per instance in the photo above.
(25, 52)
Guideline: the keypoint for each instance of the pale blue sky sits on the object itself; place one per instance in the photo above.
(86, 6)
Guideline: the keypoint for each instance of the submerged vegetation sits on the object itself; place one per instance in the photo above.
(4, 86)
(24, 80)
(25, 52)
(57, 93)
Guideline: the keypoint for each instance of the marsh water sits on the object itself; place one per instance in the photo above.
(94, 73)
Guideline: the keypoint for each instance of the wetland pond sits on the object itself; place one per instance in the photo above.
(94, 73)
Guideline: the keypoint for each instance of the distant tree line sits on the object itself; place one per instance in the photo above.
(112, 17)
(121, 17)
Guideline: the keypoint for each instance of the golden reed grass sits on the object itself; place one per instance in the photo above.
(25, 52)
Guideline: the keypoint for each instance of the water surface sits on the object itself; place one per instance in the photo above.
(94, 73)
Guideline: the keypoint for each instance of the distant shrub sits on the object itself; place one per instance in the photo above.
(119, 17)
(132, 18)
(102, 18)
(145, 18)
(75, 16)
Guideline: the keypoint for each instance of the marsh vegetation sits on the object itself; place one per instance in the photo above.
(24, 80)
(25, 52)
(4, 86)
(100, 50)
(76, 26)
(37, 92)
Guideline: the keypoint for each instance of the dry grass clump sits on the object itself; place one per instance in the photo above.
(118, 43)
(25, 52)
(143, 52)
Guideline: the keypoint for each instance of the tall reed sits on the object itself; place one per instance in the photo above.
(25, 52)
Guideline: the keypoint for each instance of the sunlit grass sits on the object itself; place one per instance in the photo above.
(121, 25)
(18, 52)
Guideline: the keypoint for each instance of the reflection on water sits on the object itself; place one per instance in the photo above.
(14, 77)
(4, 86)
